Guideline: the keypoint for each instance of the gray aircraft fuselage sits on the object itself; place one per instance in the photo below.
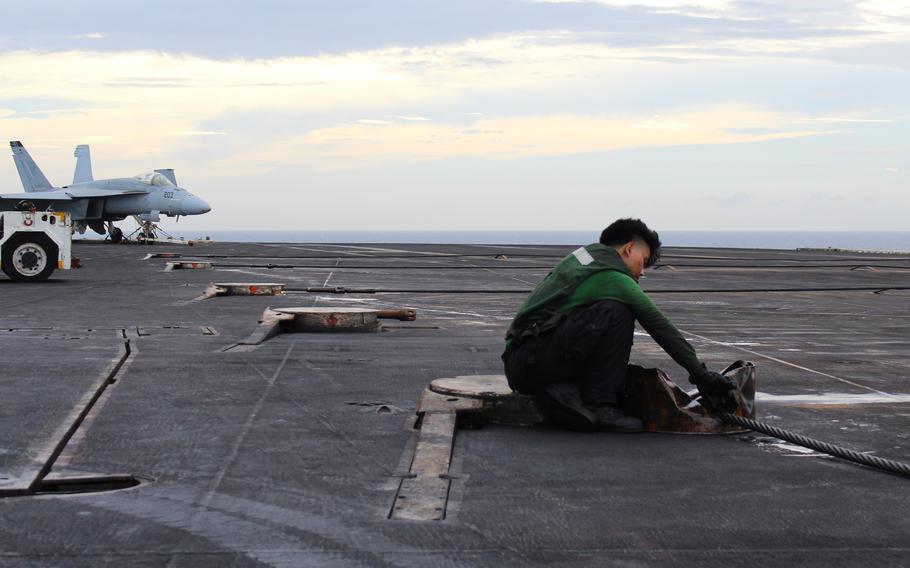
(150, 197)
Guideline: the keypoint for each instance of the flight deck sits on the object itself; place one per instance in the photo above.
(150, 420)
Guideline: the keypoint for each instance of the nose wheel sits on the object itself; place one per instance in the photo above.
(148, 232)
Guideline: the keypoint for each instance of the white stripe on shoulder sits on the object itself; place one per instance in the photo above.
(583, 256)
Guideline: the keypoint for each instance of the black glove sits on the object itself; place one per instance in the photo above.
(717, 391)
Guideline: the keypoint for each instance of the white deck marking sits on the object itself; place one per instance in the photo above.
(545, 248)
(472, 314)
(357, 254)
(381, 249)
(238, 441)
(509, 276)
(831, 398)
(789, 364)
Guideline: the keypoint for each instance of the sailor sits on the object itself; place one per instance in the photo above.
(570, 342)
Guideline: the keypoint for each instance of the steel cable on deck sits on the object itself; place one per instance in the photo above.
(851, 266)
(371, 256)
(874, 289)
(786, 259)
(383, 267)
(346, 290)
(546, 267)
(819, 446)
(510, 255)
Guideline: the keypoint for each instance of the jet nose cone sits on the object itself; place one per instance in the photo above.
(195, 206)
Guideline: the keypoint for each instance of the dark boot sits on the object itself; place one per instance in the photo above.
(611, 419)
(561, 403)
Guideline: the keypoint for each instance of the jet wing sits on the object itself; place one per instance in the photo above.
(56, 195)
(67, 195)
(87, 192)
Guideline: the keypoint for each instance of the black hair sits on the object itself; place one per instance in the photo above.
(622, 231)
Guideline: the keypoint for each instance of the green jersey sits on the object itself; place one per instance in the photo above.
(591, 274)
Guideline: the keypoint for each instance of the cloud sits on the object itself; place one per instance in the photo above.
(412, 118)
(857, 11)
(885, 8)
(659, 123)
(672, 100)
(92, 35)
(199, 133)
(692, 7)
(837, 119)
(586, 97)
(346, 146)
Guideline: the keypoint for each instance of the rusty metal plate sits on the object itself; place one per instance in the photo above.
(650, 394)
(180, 265)
(330, 319)
(248, 289)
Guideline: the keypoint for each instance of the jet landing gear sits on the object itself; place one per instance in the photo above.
(102, 228)
(115, 234)
(148, 231)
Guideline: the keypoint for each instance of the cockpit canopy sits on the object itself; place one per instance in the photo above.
(155, 179)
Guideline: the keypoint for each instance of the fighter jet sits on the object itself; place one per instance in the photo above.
(96, 204)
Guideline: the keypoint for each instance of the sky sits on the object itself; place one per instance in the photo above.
(476, 114)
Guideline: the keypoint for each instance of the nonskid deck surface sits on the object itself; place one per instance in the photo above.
(291, 453)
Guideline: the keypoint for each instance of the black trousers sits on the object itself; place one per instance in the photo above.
(590, 346)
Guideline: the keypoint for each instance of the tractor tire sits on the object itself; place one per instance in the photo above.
(29, 257)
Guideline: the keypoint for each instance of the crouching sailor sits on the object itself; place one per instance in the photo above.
(570, 342)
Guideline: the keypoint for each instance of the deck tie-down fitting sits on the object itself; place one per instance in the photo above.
(321, 320)
(243, 289)
(162, 255)
(187, 265)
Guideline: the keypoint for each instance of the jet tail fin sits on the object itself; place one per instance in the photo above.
(169, 174)
(29, 172)
(83, 171)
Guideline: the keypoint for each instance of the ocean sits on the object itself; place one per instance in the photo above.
(854, 240)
